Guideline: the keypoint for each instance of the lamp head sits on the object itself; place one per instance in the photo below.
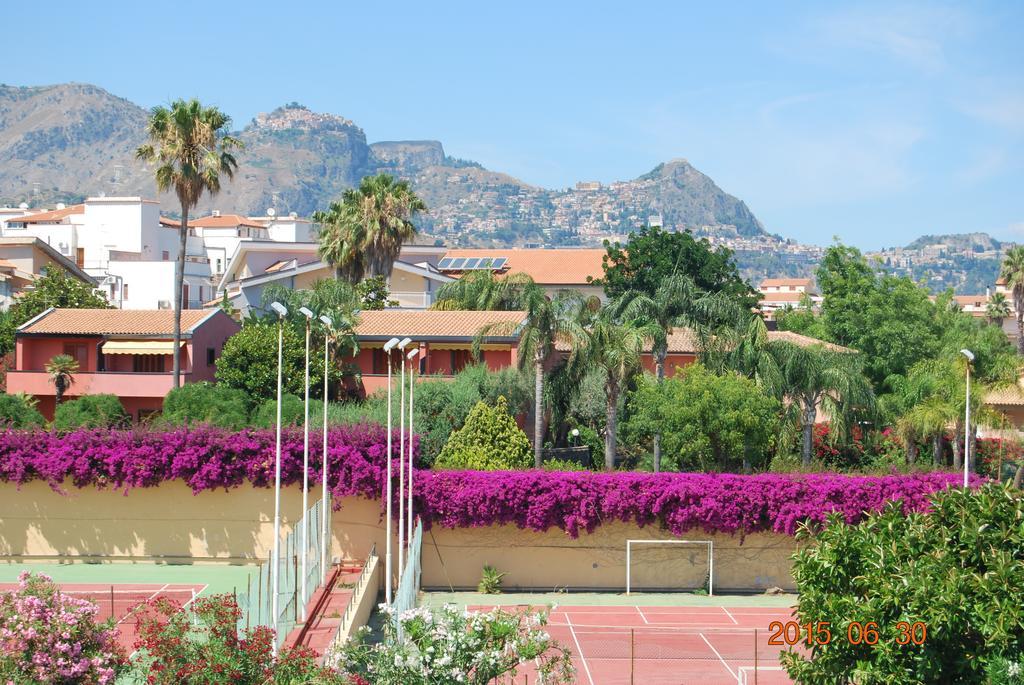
(967, 353)
(306, 312)
(405, 341)
(281, 310)
(326, 320)
(390, 344)
(575, 432)
(411, 354)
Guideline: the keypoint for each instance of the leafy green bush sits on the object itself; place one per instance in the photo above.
(249, 362)
(707, 421)
(292, 412)
(217, 405)
(91, 411)
(958, 569)
(563, 465)
(490, 581)
(490, 440)
(441, 406)
(19, 411)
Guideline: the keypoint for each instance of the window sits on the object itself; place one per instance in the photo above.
(124, 292)
(211, 356)
(218, 265)
(80, 351)
(166, 255)
(148, 363)
(380, 361)
(184, 296)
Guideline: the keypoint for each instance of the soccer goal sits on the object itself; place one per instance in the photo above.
(747, 675)
(711, 558)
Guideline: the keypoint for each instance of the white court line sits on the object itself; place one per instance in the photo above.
(678, 627)
(719, 657)
(730, 616)
(125, 617)
(195, 595)
(642, 615)
(580, 650)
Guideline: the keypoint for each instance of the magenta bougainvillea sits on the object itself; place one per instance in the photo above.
(575, 502)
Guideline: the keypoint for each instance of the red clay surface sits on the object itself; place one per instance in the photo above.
(326, 607)
(705, 645)
(121, 600)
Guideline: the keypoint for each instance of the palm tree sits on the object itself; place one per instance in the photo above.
(1013, 273)
(481, 291)
(549, 320)
(613, 347)
(62, 369)
(364, 232)
(677, 302)
(998, 308)
(190, 145)
(813, 376)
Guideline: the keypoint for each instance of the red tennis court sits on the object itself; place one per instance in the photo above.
(658, 645)
(121, 600)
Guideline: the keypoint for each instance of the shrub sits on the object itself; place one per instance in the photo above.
(707, 421)
(490, 440)
(490, 581)
(216, 405)
(50, 638)
(91, 411)
(453, 646)
(293, 412)
(202, 645)
(956, 569)
(249, 362)
(19, 411)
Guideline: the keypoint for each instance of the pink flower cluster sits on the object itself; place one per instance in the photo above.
(715, 503)
(537, 500)
(48, 637)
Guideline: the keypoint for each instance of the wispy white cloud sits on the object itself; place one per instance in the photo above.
(911, 34)
(999, 106)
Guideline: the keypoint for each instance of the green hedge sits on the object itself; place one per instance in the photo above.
(91, 411)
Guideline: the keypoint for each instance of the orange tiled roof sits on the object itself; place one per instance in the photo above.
(804, 341)
(211, 221)
(1010, 395)
(970, 300)
(114, 322)
(565, 266)
(54, 215)
(434, 324)
(777, 282)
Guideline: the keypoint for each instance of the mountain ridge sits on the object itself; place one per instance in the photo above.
(66, 141)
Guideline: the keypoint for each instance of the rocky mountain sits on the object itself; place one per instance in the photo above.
(68, 141)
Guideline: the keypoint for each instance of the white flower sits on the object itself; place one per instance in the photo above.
(1013, 669)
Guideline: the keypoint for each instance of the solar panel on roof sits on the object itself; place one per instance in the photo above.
(444, 263)
(499, 262)
(485, 263)
(471, 263)
(457, 263)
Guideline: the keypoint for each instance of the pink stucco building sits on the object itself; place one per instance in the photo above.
(123, 352)
(444, 338)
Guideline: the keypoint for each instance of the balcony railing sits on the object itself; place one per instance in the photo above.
(412, 300)
(120, 383)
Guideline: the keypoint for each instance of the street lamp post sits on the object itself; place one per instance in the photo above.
(275, 570)
(411, 356)
(388, 346)
(305, 469)
(967, 417)
(401, 457)
(325, 529)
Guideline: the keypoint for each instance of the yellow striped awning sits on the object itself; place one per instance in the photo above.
(139, 346)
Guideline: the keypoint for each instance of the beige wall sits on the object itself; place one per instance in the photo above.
(170, 522)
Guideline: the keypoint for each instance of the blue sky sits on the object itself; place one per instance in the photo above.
(872, 122)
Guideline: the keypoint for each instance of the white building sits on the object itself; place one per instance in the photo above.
(123, 243)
